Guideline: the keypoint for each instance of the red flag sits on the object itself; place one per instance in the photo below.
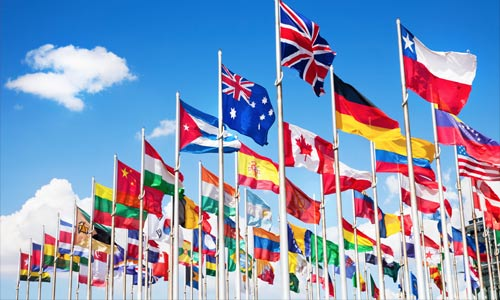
(160, 268)
(301, 206)
(128, 191)
(350, 179)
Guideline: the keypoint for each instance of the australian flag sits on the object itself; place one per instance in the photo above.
(246, 106)
(303, 49)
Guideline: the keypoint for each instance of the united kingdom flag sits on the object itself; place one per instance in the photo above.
(246, 106)
(303, 49)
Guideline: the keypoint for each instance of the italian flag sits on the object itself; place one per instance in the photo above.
(125, 216)
(210, 194)
(157, 174)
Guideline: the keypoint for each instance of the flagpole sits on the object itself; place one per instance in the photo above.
(18, 281)
(191, 269)
(175, 217)
(220, 218)
(323, 236)
(285, 277)
(237, 196)
(338, 193)
(125, 253)
(91, 229)
(462, 228)
(200, 228)
(427, 283)
(478, 256)
(403, 240)
(247, 285)
(29, 271)
(141, 220)
(40, 265)
(70, 285)
(317, 264)
(356, 258)
(487, 244)
(170, 257)
(455, 280)
(411, 175)
(377, 224)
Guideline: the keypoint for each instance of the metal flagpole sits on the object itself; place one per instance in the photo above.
(455, 281)
(91, 229)
(377, 224)
(220, 218)
(200, 228)
(77, 293)
(479, 265)
(175, 217)
(70, 285)
(247, 285)
(237, 198)
(125, 253)
(56, 250)
(29, 271)
(170, 257)
(40, 271)
(141, 221)
(338, 193)
(356, 258)
(146, 273)
(411, 175)
(442, 208)
(18, 281)
(317, 264)
(191, 269)
(490, 272)
(323, 236)
(403, 241)
(285, 277)
(427, 287)
(462, 228)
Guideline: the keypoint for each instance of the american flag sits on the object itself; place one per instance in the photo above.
(303, 49)
(471, 167)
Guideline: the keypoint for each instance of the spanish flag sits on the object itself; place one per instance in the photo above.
(357, 115)
(257, 171)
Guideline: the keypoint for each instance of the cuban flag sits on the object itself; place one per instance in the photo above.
(246, 106)
(443, 78)
(198, 132)
(303, 49)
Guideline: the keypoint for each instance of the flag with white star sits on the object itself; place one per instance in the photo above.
(246, 106)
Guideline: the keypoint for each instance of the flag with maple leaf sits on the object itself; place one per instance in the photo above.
(304, 148)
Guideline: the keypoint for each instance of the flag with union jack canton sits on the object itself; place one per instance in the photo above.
(303, 49)
(246, 106)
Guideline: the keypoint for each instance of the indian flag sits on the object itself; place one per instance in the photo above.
(210, 194)
(157, 174)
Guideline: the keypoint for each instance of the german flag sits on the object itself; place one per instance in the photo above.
(357, 115)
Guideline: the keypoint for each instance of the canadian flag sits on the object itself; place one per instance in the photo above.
(304, 148)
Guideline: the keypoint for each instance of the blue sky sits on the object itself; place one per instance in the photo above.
(147, 51)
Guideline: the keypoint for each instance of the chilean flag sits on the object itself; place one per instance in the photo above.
(443, 78)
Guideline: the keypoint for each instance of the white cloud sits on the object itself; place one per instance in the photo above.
(167, 127)
(392, 185)
(65, 73)
(17, 228)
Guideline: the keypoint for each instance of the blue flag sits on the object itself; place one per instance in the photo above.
(414, 286)
(258, 212)
(246, 106)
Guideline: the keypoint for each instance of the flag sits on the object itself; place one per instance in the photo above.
(443, 78)
(427, 197)
(99, 268)
(387, 161)
(208, 242)
(36, 257)
(294, 283)
(350, 179)
(160, 268)
(199, 131)
(257, 171)
(128, 191)
(357, 115)
(265, 271)
(452, 131)
(472, 252)
(471, 167)
(125, 216)
(302, 238)
(246, 106)
(185, 253)
(331, 289)
(211, 265)
(210, 194)
(304, 148)
(414, 285)
(258, 212)
(457, 241)
(435, 275)
(390, 269)
(420, 148)
(389, 225)
(195, 278)
(153, 251)
(303, 48)
(65, 234)
(350, 267)
(63, 262)
(49, 252)
(301, 206)
(266, 245)
(362, 282)
(230, 234)
(375, 290)
(364, 207)
(332, 251)
(188, 213)
(101, 236)
(474, 278)
(365, 243)
(25, 274)
(133, 245)
(157, 174)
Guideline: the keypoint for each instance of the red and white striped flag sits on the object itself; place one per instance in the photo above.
(470, 167)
